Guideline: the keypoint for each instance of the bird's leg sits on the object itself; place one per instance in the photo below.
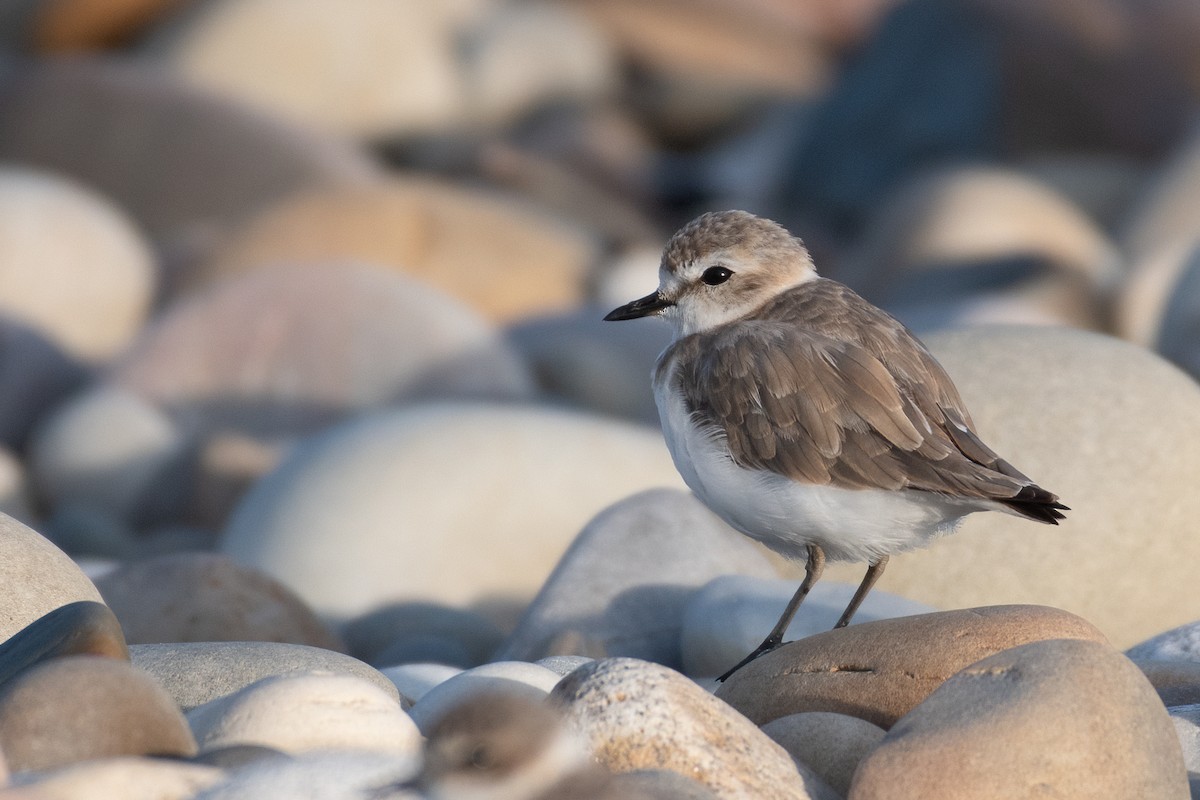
(873, 573)
(812, 573)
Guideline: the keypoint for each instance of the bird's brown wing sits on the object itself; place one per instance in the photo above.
(827, 410)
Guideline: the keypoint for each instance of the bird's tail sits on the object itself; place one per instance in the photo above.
(1037, 504)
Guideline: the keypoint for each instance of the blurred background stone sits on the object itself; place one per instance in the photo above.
(204, 597)
(481, 501)
(1089, 416)
(184, 163)
(501, 257)
(72, 266)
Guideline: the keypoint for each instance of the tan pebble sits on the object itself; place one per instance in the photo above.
(1067, 719)
(880, 670)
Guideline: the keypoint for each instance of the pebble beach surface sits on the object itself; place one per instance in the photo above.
(321, 477)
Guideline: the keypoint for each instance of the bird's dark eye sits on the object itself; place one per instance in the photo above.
(715, 275)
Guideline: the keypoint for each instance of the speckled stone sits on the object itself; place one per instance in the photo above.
(636, 715)
(879, 671)
(1059, 718)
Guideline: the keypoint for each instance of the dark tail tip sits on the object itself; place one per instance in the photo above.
(1037, 504)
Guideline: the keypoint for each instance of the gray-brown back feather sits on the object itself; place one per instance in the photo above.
(822, 387)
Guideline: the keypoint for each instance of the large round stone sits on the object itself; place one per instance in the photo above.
(502, 257)
(72, 265)
(1114, 431)
(447, 503)
(1060, 718)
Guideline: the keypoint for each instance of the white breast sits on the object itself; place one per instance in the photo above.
(848, 524)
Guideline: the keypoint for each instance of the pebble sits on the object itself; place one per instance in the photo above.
(287, 350)
(305, 713)
(582, 360)
(112, 451)
(74, 266)
(320, 525)
(15, 500)
(959, 217)
(120, 778)
(186, 164)
(1161, 305)
(622, 586)
(1161, 217)
(1062, 718)
(1177, 682)
(638, 715)
(80, 628)
(80, 25)
(240, 48)
(336, 775)
(830, 744)
(414, 681)
(515, 677)
(1033, 397)
(196, 672)
(731, 614)
(528, 55)
(78, 708)
(35, 577)
(35, 376)
(401, 633)
(1187, 727)
(492, 251)
(878, 671)
(563, 665)
(659, 784)
(1177, 644)
(206, 597)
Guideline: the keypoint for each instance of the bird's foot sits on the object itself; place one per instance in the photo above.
(767, 646)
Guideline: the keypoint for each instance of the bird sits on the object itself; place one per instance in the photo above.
(807, 418)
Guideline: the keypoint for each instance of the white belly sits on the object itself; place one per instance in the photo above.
(848, 524)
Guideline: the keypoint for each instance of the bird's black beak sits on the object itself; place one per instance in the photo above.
(642, 307)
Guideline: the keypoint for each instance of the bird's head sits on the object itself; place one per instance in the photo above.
(720, 267)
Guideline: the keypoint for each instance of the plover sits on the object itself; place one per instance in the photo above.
(806, 417)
